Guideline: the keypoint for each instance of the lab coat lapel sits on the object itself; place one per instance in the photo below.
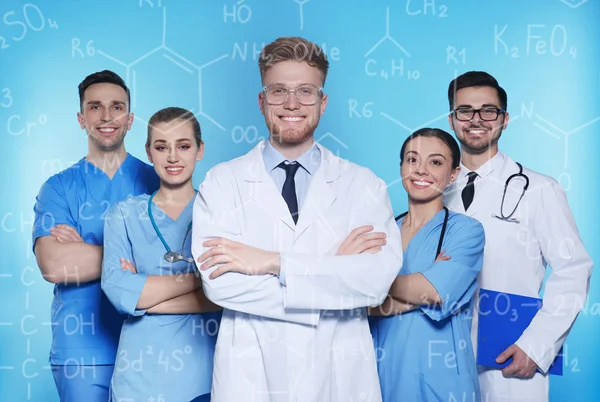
(260, 188)
(321, 194)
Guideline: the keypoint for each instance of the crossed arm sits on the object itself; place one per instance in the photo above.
(408, 292)
(63, 257)
(171, 294)
(161, 294)
(238, 257)
(289, 286)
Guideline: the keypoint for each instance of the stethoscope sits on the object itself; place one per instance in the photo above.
(442, 234)
(509, 218)
(170, 256)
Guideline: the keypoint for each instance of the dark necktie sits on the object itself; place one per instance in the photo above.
(469, 191)
(289, 187)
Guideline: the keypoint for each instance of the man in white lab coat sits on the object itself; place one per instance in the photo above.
(271, 237)
(523, 235)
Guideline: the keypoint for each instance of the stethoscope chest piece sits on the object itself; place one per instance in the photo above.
(171, 256)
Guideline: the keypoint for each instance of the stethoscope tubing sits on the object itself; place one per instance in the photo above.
(179, 256)
(442, 234)
(509, 218)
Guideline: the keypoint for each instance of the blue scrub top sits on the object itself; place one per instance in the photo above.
(85, 326)
(427, 354)
(159, 356)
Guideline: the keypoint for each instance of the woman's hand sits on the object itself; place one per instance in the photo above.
(442, 257)
(128, 266)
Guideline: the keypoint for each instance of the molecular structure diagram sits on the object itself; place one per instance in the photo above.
(176, 59)
(550, 128)
(301, 3)
(387, 36)
(574, 3)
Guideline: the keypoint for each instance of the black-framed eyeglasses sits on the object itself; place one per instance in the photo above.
(487, 113)
(306, 94)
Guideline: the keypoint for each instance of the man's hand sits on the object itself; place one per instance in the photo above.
(128, 266)
(361, 241)
(521, 367)
(238, 257)
(65, 233)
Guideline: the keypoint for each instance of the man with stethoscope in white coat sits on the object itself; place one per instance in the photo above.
(528, 224)
(289, 240)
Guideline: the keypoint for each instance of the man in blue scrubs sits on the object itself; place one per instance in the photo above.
(68, 238)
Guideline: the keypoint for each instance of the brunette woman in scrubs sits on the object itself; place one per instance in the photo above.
(422, 330)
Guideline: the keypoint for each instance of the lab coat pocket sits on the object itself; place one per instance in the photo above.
(450, 388)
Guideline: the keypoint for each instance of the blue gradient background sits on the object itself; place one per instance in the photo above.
(553, 99)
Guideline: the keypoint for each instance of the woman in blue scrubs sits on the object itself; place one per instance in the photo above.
(422, 330)
(167, 341)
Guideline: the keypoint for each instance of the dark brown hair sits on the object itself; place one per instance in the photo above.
(475, 79)
(442, 135)
(101, 77)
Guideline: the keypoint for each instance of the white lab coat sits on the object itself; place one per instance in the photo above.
(307, 340)
(515, 259)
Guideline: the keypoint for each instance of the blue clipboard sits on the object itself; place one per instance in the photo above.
(503, 317)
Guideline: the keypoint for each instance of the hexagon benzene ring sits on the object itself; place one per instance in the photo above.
(176, 59)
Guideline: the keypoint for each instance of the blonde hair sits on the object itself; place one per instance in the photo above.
(293, 48)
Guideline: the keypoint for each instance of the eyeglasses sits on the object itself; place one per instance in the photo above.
(485, 114)
(306, 94)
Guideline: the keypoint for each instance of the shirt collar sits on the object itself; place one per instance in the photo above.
(487, 168)
(310, 160)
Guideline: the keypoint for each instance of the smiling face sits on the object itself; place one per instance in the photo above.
(292, 123)
(105, 116)
(478, 136)
(426, 168)
(174, 151)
